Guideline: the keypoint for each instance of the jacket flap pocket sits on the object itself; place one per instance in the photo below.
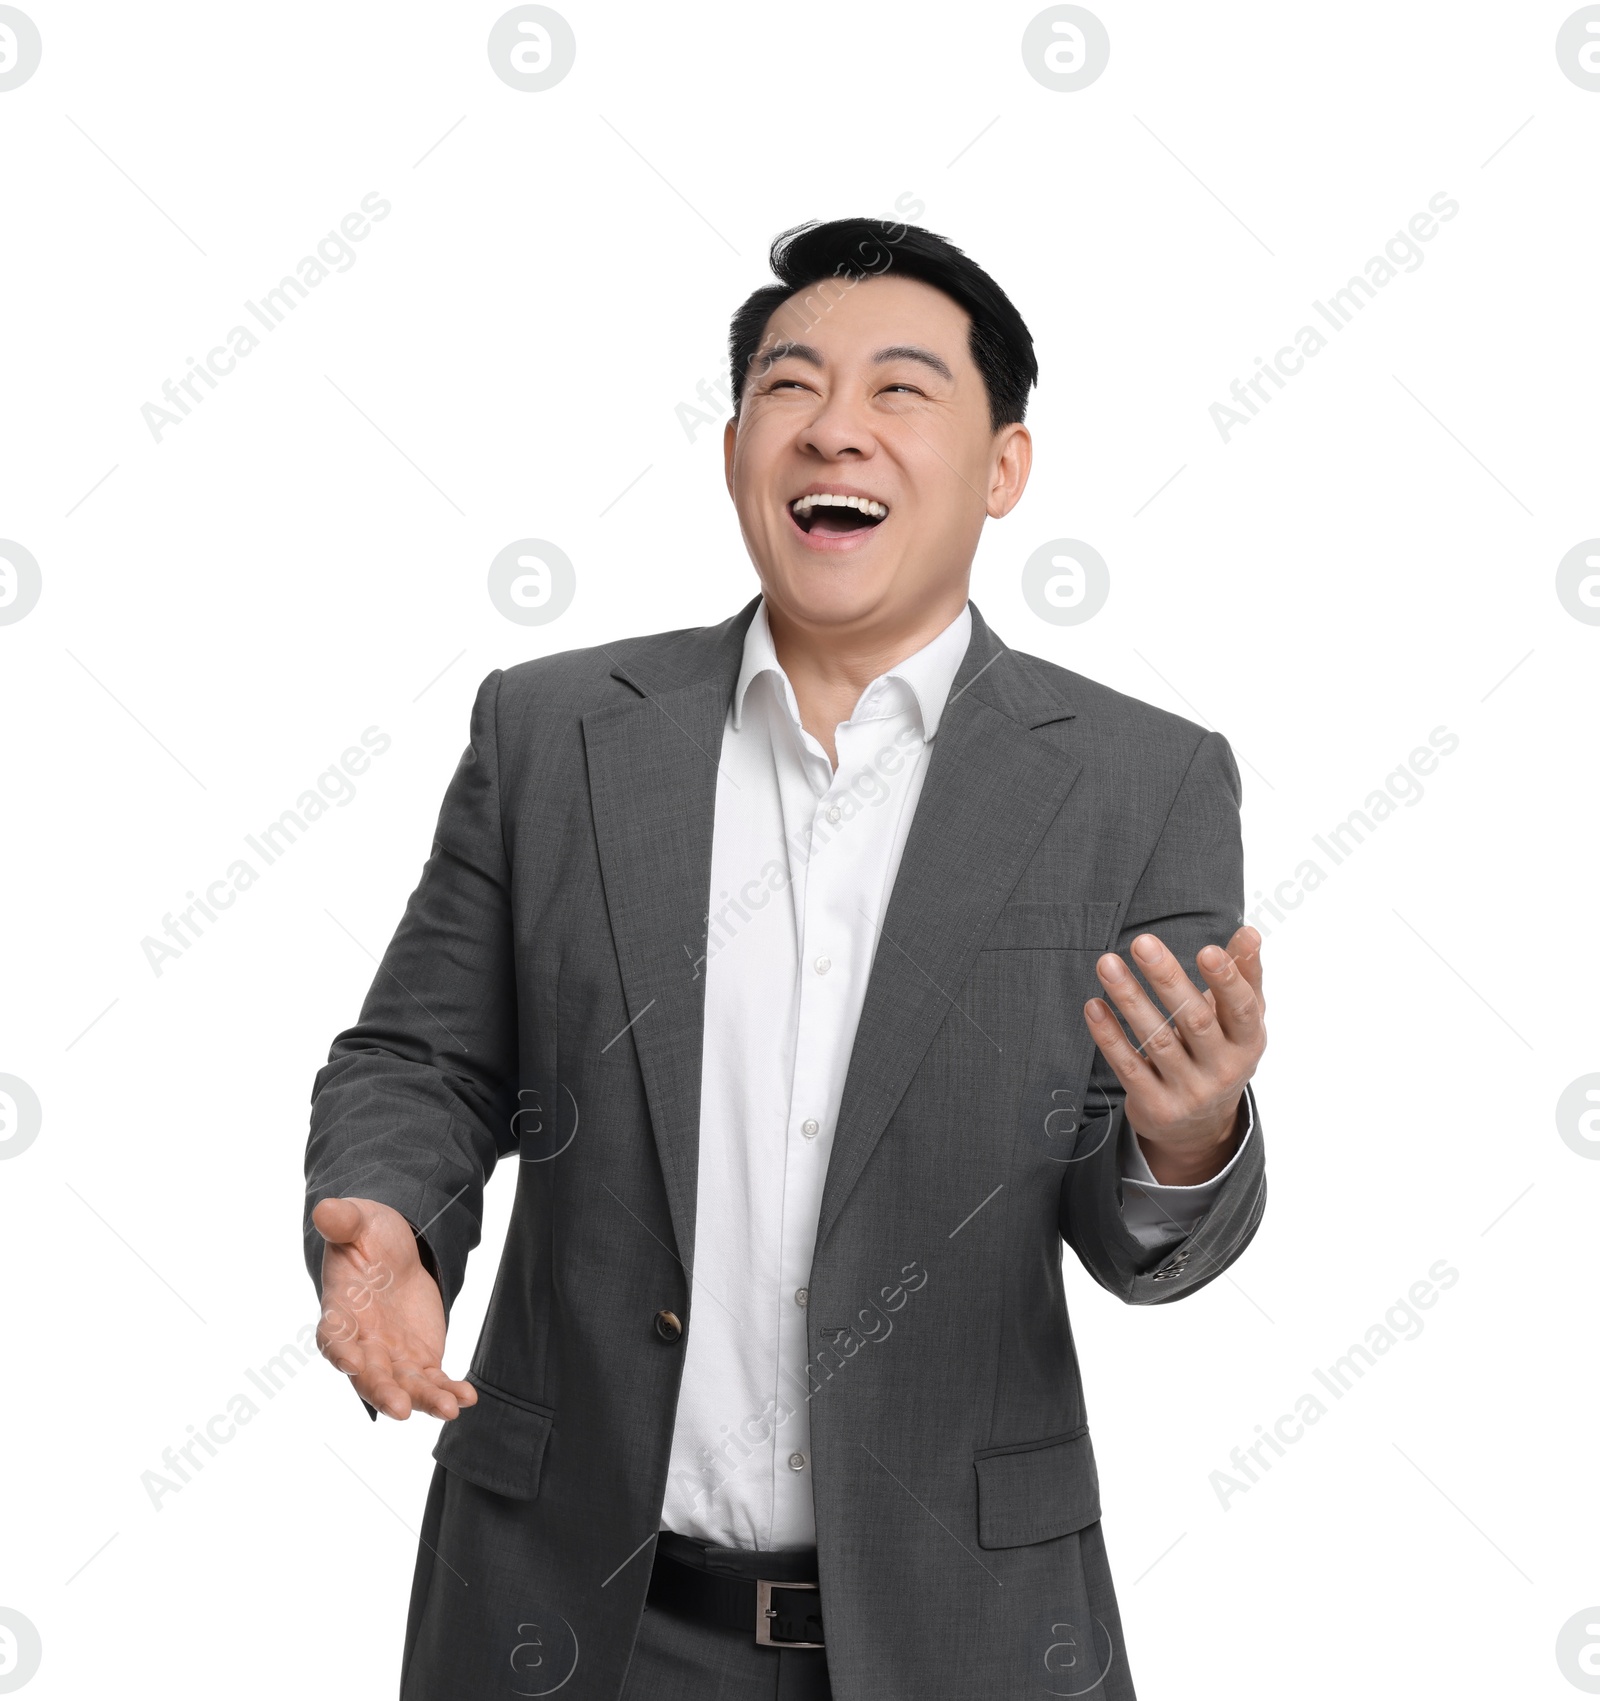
(497, 1444)
(1053, 927)
(1039, 1490)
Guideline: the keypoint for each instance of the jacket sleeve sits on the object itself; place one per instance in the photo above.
(1160, 1215)
(1190, 894)
(416, 1101)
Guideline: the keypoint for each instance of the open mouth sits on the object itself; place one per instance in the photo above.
(834, 515)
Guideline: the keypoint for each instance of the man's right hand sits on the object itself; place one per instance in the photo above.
(382, 1313)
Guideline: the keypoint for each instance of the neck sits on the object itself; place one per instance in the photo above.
(830, 666)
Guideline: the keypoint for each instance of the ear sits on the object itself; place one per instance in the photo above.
(729, 433)
(1010, 462)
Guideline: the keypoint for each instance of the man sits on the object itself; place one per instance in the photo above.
(769, 949)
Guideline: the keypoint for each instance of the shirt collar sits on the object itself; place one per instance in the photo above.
(928, 674)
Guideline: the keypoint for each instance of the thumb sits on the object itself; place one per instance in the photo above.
(337, 1220)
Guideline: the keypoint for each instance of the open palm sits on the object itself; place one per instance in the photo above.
(383, 1319)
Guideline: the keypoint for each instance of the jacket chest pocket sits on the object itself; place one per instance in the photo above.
(1054, 927)
(1032, 973)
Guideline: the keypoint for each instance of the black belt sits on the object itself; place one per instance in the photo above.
(700, 1582)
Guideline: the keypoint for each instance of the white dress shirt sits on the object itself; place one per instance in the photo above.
(803, 860)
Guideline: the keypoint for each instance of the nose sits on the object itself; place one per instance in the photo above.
(840, 429)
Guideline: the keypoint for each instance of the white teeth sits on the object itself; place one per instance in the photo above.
(873, 510)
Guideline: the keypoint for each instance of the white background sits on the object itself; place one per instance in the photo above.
(225, 610)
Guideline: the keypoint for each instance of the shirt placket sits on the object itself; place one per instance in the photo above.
(829, 892)
(805, 1146)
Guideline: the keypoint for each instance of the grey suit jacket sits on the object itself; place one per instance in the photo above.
(542, 1002)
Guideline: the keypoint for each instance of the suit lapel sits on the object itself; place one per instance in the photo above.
(991, 790)
(652, 763)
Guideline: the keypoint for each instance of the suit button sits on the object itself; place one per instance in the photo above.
(667, 1325)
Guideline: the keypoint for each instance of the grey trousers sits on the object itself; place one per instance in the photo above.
(681, 1659)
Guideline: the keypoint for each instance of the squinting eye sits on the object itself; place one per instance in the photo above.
(910, 389)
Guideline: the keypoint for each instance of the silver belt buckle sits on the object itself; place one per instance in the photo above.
(766, 1612)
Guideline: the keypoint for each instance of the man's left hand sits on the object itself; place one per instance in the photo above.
(1185, 1076)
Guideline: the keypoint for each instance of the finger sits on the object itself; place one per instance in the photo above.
(1153, 1035)
(1245, 949)
(425, 1392)
(337, 1325)
(453, 1397)
(334, 1319)
(1192, 1015)
(1126, 1064)
(1238, 1012)
(342, 1351)
(465, 1393)
(377, 1385)
(338, 1221)
(435, 1392)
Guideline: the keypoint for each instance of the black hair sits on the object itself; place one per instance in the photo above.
(851, 250)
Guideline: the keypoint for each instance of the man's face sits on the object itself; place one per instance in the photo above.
(868, 391)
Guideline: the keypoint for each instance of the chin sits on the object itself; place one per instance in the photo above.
(828, 593)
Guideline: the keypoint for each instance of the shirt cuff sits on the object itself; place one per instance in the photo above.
(1157, 1215)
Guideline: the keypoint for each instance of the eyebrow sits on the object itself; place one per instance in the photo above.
(900, 351)
(909, 351)
(789, 351)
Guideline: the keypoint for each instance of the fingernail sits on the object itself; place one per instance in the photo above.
(1146, 948)
(1112, 968)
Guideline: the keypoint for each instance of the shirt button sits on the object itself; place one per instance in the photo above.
(822, 965)
(802, 1297)
(811, 1128)
(797, 1461)
(835, 815)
